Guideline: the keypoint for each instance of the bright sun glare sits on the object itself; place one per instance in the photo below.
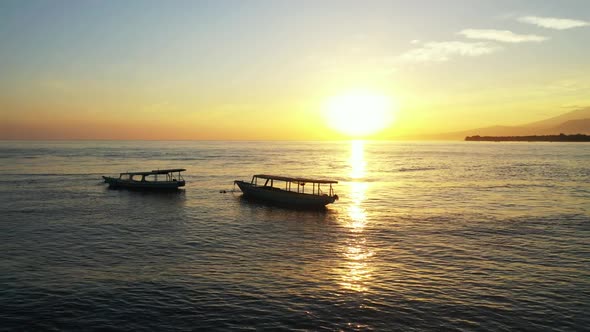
(359, 114)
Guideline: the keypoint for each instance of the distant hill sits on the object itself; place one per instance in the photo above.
(581, 126)
(575, 122)
(583, 113)
(535, 138)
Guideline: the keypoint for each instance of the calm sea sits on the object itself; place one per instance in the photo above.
(425, 236)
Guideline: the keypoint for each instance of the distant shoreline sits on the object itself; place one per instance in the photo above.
(535, 138)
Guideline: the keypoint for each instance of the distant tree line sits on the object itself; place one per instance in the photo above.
(535, 138)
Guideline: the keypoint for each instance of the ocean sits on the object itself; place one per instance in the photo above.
(425, 236)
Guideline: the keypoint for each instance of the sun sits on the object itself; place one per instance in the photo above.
(359, 113)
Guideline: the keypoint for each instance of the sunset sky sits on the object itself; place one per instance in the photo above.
(284, 69)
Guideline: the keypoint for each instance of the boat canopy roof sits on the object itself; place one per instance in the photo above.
(171, 170)
(291, 179)
(157, 171)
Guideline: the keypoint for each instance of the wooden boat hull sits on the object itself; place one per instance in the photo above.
(285, 198)
(143, 185)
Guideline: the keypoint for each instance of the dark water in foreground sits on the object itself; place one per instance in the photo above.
(426, 236)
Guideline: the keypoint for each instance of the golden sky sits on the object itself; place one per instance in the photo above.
(271, 69)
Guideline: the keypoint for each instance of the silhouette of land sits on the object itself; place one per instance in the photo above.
(543, 138)
(570, 123)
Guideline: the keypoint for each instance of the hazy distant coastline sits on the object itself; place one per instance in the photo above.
(534, 138)
(570, 123)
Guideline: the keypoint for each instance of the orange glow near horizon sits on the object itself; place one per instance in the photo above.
(158, 72)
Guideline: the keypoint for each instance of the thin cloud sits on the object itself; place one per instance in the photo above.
(553, 22)
(444, 51)
(505, 36)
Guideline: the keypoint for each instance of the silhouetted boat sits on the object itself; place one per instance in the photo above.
(172, 180)
(289, 196)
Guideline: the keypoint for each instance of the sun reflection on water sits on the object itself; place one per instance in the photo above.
(355, 270)
(356, 212)
(357, 159)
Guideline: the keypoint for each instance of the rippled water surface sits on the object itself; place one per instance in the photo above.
(461, 236)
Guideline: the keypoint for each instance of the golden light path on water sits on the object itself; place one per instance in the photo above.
(357, 270)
